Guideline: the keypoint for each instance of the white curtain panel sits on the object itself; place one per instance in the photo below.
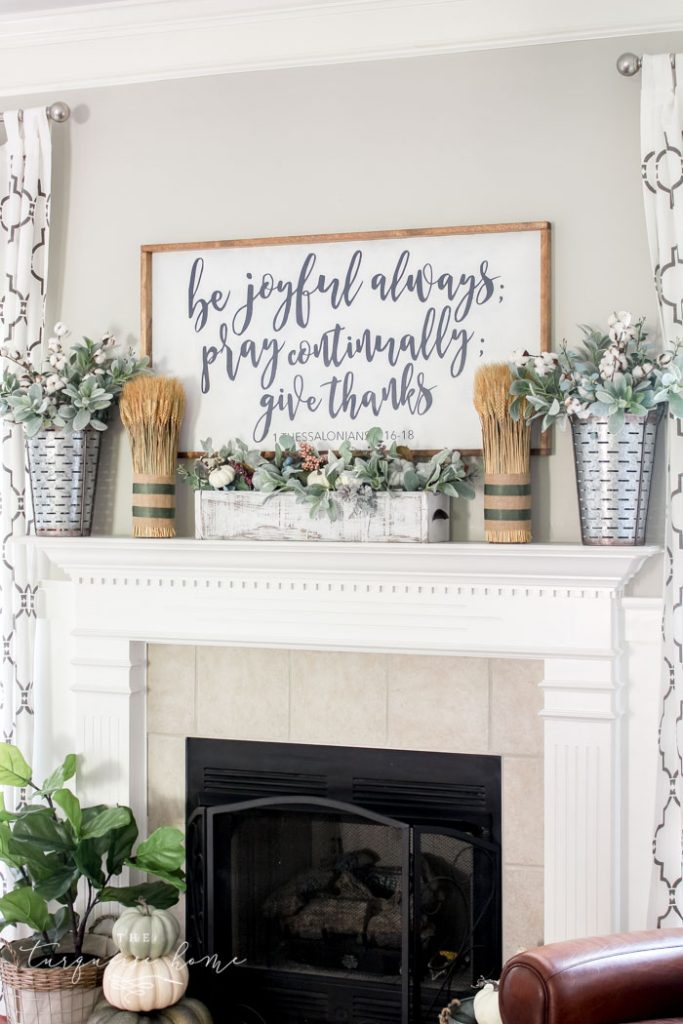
(24, 234)
(662, 167)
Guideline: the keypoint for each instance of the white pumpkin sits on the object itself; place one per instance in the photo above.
(145, 932)
(318, 477)
(486, 1005)
(222, 477)
(143, 985)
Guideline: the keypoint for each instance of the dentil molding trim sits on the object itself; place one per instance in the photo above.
(521, 601)
(125, 41)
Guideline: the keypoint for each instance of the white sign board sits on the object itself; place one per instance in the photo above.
(325, 337)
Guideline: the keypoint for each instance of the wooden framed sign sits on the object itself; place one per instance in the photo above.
(325, 336)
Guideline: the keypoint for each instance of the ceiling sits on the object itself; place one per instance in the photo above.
(35, 6)
(55, 45)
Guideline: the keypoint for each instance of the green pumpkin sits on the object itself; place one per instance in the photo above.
(146, 933)
(187, 1011)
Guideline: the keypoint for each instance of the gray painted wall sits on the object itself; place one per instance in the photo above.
(545, 132)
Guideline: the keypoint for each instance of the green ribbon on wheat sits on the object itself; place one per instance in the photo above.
(143, 512)
(153, 488)
(503, 514)
(507, 490)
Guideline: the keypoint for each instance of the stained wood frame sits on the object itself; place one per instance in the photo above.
(147, 253)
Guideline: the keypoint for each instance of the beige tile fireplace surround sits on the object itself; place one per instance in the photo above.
(459, 705)
(530, 652)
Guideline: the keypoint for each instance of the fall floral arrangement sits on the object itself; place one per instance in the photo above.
(69, 388)
(609, 374)
(334, 482)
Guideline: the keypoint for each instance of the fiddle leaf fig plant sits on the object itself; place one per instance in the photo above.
(65, 858)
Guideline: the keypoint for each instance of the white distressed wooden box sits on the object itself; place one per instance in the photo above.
(402, 517)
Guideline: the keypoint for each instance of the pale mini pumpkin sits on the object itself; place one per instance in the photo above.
(187, 1011)
(144, 932)
(131, 984)
(486, 1004)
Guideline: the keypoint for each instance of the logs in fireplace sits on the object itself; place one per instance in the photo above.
(357, 885)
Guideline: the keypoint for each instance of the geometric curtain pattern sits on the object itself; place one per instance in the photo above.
(662, 170)
(24, 235)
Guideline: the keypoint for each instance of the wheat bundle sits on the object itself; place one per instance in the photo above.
(507, 444)
(152, 410)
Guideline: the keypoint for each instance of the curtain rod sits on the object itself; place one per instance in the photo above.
(629, 64)
(58, 112)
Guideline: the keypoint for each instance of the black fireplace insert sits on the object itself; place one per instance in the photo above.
(349, 884)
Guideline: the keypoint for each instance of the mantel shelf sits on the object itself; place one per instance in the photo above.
(537, 565)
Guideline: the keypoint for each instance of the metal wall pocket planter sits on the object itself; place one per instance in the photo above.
(63, 473)
(613, 477)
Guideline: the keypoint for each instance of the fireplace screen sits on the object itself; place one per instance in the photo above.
(313, 889)
(337, 912)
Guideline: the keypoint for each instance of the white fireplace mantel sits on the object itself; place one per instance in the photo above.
(559, 603)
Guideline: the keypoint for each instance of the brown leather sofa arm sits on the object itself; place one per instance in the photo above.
(614, 979)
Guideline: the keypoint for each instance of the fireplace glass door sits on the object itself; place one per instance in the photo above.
(315, 888)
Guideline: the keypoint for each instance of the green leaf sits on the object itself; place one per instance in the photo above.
(71, 806)
(39, 827)
(14, 770)
(81, 419)
(174, 878)
(411, 480)
(155, 894)
(66, 771)
(676, 404)
(162, 849)
(106, 821)
(13, 859)
(616, 421)
(374, 437)
(27, 854)
(6, 815)
(24, 906)
(57, 883)
(58, 925)
(88, 860)
(121, 847)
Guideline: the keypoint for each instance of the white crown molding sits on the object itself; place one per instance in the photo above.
(125, 41)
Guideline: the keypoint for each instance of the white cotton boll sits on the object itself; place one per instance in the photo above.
(576, 408)
(345, 479)
(625, 318)
(60, 329)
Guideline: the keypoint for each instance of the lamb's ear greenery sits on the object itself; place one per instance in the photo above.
(611, 375)
(345, 483)
(58, 851)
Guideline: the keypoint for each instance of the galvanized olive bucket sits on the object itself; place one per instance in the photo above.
(613, 477)
(63, 473)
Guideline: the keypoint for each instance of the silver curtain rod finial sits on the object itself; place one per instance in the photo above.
(629, 64)
(59, 111)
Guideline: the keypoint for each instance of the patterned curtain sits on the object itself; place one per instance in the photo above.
(661, 134)
(24, 233)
